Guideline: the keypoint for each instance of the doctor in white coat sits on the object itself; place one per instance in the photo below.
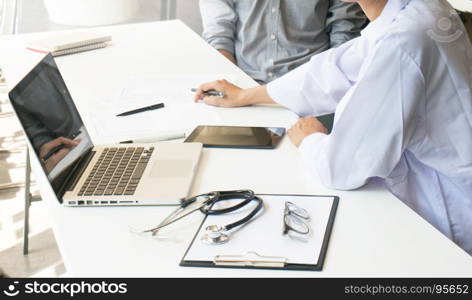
(403, 102)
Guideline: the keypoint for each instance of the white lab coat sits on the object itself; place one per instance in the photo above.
(403, 102)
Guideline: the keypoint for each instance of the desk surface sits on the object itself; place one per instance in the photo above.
(374, 234)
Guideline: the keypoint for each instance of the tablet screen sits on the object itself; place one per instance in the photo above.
(237, 137)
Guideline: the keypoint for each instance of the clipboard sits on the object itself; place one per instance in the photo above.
(244, 254)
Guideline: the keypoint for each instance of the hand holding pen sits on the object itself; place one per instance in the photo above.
(233, 96)
(54, 151)
(210, 93)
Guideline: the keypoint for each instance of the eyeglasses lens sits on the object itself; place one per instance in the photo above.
(294, 209)
(296, 224)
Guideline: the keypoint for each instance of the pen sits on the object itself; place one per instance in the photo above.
(53, 151)
(164, 137)
(211, 93)
(135, 111)
(73, 136)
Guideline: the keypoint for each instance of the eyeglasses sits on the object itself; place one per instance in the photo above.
(295, 219)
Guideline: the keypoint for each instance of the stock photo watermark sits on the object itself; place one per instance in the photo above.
(71, 289)
(448, 29)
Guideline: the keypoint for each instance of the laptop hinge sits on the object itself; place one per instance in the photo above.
(78, 170)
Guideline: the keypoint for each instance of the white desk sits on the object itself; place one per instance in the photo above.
(374, 234)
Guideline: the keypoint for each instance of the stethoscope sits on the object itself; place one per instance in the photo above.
(214, 234)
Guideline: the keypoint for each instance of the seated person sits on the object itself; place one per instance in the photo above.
(268, 38)
(403, 101)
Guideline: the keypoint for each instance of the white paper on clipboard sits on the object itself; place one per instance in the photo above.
(263, 236)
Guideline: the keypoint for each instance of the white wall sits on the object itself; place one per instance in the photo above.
(34, 18)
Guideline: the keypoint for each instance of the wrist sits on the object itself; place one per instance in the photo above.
(244, 97)
(255, 95)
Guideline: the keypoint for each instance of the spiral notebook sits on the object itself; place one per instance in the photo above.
(69, 43)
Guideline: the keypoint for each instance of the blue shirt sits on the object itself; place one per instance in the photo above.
(268, 38)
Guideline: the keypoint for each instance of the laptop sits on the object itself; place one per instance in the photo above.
(84, 174)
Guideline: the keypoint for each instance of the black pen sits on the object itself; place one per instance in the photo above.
(135, 111)
(73, 136)
(211, 93)
(53, 151)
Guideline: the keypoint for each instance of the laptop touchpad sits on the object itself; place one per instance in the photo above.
(171, 168)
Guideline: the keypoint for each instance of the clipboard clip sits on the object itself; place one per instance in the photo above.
(250, 259)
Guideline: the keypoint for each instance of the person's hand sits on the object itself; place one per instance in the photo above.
(233, 94)
(303, 128)
(52, 161)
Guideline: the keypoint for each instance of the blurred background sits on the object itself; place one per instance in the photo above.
(48, 15)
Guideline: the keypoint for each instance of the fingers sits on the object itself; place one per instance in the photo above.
(67, 142)
(218, 85)
(53, 143)
(232, 95)
(306, 121)
(59, 155)
(297, 126)
(68, 145)
(45, 148)
(62, 141)
(198, 95)
(293, 134)
(214, 100)
(290, 132)
(56, 158)
(303, 128)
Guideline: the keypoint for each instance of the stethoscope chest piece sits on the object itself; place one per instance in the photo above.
(214, 235)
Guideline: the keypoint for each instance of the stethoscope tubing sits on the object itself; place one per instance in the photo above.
(206, 207)
(247, 218)
(248, 197)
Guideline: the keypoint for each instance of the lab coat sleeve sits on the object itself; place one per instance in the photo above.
(376, 125)
(316, 87)
(219, 23)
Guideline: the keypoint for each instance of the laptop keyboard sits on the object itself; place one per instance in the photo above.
(117, 171)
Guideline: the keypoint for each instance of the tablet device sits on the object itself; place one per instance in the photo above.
(237, 137)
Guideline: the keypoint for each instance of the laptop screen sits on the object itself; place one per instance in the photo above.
(51, 121)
